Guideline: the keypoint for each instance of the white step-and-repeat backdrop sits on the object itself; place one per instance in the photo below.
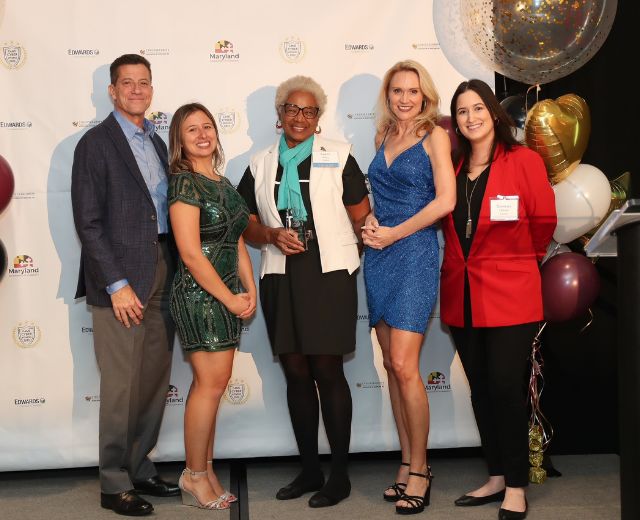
(54, 59)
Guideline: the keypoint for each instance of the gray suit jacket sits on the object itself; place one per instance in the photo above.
(114, 214)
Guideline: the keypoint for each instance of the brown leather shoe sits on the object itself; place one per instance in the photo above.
(156, 487)
(126, 503)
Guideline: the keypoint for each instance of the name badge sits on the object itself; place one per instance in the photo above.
(504, 208)
(325, 159)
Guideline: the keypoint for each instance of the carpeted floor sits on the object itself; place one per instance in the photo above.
(588, 490)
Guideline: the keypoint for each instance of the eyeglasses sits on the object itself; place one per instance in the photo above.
(292, 110)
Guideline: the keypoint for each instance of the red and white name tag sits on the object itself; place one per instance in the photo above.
(504, 208)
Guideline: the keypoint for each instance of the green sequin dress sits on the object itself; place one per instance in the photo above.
(202, 322)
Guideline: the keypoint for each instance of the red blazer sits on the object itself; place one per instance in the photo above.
(504, 278)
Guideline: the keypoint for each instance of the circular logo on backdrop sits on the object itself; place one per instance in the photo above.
(228, 119)
(237, 392)
(13, 55)
(26, 334)
(292, 49)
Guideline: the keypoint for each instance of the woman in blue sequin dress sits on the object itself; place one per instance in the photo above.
(413, 187)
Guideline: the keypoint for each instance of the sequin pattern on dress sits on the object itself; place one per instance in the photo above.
(402, 279)
(202, 322)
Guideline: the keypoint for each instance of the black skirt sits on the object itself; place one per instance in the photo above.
(307, 311)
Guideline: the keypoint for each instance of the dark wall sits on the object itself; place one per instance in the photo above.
(580, 397)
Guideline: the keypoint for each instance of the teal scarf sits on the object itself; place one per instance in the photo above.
(289, 195)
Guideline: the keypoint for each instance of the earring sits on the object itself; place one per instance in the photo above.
(457, 130)
(424, 105)
(318, 129)
(278, 124)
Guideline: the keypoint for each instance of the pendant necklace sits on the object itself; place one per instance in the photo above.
(468, 197)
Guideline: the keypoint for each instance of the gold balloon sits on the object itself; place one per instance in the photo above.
(619, 191)
(559, 131)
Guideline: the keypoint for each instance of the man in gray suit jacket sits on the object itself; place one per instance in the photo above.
(119, 196)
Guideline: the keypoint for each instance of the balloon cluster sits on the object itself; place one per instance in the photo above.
(559, 131)
(6, 192)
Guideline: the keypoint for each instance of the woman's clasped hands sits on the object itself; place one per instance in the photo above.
(376, 236)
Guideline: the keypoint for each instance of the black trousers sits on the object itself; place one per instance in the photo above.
(495, 360)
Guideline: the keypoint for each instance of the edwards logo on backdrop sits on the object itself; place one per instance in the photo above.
(13, 55)
(358, 47)
(83, 53)
(16, 125)
(29, 401)
(223, 50)
(26, 334)
(292, 49)
(23, 265)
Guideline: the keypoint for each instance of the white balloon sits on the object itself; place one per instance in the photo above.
(582, 201)
(447, 22)
(555, 249)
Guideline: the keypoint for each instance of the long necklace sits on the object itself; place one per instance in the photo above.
(468, 197)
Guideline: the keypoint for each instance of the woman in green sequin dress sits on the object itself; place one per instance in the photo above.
(208, 300)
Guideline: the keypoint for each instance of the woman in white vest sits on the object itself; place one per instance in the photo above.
(308, 199)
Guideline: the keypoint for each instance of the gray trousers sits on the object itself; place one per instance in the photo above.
(135, 365)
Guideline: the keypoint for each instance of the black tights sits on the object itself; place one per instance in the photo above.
(304, 374)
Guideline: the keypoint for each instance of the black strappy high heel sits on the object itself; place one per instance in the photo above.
(397, 487)
(416, 503)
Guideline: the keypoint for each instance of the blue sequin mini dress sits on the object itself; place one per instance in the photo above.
(402, 279)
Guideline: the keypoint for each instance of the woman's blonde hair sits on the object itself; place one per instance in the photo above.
(178, 161)
(301, 84)
(427, 118)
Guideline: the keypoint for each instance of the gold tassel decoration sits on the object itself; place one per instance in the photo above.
(540, 430)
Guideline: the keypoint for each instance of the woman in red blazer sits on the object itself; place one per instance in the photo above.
(490, 283)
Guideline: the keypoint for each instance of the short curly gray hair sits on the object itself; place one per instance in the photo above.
(304, 84)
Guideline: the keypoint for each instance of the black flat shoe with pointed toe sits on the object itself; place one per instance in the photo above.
(469, 501)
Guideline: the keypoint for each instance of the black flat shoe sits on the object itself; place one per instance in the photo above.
(299, 487)
(331, 494)
(126, 503)
(506, 514)
(416, 503)
(397, 488)
(156, 487)
(469, 501)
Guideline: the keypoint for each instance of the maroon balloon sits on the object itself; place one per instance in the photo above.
(570, 284)
(6, 183)
(446, 123)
